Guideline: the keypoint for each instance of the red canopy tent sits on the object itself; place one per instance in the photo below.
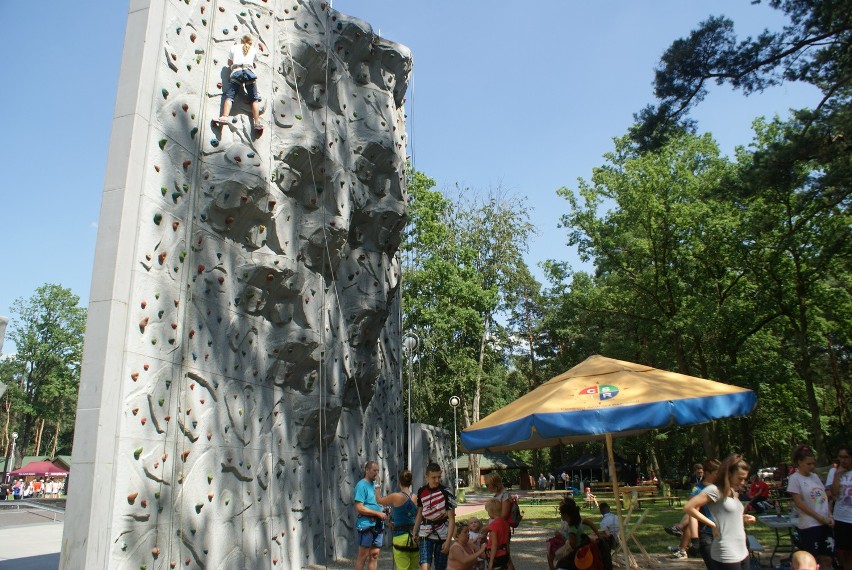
(39, 469)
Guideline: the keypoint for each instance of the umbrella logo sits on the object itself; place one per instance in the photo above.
(605, 392)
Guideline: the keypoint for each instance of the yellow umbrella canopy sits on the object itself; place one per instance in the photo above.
(603, 396)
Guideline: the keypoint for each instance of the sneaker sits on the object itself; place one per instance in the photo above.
(693, 551)
(674, 530)
(680, 554)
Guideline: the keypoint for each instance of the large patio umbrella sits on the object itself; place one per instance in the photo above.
(602, 397)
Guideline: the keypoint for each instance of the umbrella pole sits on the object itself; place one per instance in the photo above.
(629, 561)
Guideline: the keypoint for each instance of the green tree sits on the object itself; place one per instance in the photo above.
(462, 260)
(667, 289)
(814, 47)
(44, 373)
(799, 251)
(796, 189)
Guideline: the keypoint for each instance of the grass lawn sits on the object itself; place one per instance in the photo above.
(650, 533)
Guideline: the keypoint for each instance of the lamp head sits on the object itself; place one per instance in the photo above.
(410, 343)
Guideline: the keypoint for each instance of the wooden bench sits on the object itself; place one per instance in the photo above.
(536, 497)
(641, 490)
(672, 499)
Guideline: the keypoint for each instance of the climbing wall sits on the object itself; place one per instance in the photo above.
(243, 348)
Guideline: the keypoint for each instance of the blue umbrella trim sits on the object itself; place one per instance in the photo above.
(613, 419)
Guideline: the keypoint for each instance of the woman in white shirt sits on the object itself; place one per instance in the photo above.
(839, 485)
(811, 500)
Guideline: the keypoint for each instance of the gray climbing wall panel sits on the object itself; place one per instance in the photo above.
(242, 355)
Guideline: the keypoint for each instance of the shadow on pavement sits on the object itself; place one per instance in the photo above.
(42, 562)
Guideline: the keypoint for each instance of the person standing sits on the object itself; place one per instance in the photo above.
(495, 485)
(403, 513)
(728, 551)
(435, 523)
(839, 484)
(370, 520)
(497, 546)
(811, 500)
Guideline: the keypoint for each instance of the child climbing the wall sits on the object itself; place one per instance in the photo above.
(241, 60)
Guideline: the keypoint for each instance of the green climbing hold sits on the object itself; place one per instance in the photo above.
(137, 453)
(158, 218)
(298, 117)
(163, 190)
(165, 93)
(182, 256)
(163, 143)
(193, 132)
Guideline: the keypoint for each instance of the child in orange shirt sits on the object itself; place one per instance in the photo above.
(497, 549)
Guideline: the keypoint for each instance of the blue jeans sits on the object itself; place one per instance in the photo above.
(430, 553)
(242, 78)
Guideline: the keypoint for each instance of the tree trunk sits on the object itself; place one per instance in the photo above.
(838, 389)
(7, 405)
(55, 440)
(39, 433)
(533, 380)
(804, 365)
(477, 394)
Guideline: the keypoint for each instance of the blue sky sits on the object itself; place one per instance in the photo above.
(526, 96)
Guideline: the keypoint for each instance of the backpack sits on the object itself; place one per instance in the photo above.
(515, 514)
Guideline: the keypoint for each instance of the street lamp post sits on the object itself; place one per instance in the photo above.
(454, 402)
(410, 342)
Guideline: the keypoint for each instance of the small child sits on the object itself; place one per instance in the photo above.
(803, 560)
(475, 528)
(591, 499)
(609, 525)
(497, 549)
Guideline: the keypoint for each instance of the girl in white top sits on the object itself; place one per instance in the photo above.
(241, 60)
(810, 498)
(729, 550)
(839, 485)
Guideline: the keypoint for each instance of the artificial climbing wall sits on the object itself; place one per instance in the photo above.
(242, 356)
